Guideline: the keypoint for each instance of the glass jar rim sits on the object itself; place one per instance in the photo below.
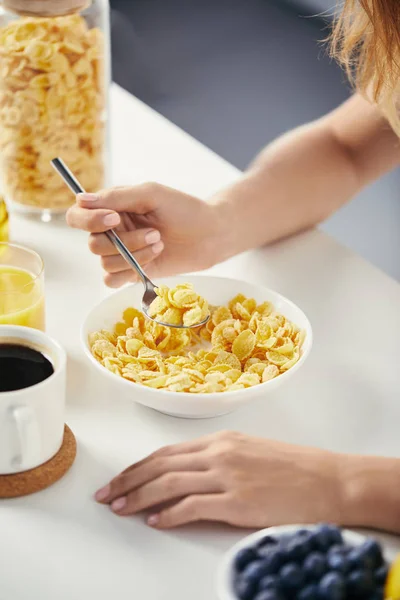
(45, 8)
(27, 251)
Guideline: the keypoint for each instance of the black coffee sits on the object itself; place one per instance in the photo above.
(21, 367)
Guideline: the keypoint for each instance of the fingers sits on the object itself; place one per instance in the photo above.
(134, 240)
(115, 280)
(118, 279)
(116, 264)
(145, 244)
(188, 447)
(94, 221)
(144, 472)
(201, 507)
(164, 489)
(98, 212)
(139, 199)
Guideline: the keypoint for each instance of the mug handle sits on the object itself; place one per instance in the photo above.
(28, 437)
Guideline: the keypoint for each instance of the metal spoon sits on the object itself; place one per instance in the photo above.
(149, 287)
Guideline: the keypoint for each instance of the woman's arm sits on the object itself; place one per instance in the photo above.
(295, 183)
(252, 482)
(306, 175)
(370, 492)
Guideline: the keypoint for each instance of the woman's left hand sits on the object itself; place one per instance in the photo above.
(230, 477)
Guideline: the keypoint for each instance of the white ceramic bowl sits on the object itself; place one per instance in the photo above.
(225, 575)
(217, 290)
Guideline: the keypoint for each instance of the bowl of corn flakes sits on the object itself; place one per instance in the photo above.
(253, 342)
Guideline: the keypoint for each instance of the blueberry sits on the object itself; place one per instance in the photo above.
(295, 550)
(243, 558)
(320, 543)
(334, 533)
(267, 550)
(296, 547)
(332, 587)
(291, 577)
(268, 582)
(301, 532)
(378, 594)
(284, 538)
(338, 562)
(338, 549)
(308, 536)
(266, 541)
(361, 559)
(372, 552)
(306, 544)
(358, 560)
(381, 575)
(326, 536)
(343, 549)
(254, 571)
(269, 595)
(310, 592)
(315, 566)
(273, 558)
(360, 584)
(245, 589)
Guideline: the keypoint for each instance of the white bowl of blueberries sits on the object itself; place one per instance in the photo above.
(319, 562)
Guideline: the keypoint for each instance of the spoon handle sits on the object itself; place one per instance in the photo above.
(127, 255)
(76, 188)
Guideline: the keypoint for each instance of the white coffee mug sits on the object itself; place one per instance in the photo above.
(32, 419)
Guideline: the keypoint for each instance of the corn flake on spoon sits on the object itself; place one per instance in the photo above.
(149, 288)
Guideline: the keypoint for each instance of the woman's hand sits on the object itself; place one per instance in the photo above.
(229, 477)
(169, 232)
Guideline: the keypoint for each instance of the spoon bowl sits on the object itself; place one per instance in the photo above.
(149, 287)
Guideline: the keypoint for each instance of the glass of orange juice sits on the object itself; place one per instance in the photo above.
(21, 287)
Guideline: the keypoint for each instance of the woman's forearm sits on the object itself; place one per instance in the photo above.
(294, 184)
(370, 492)
(306, 175)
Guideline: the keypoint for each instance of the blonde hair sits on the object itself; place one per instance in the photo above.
(366, 41)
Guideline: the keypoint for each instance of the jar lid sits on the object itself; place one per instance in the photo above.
(45, 8)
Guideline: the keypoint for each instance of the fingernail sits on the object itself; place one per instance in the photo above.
(103, 493)
(111, 220)
(88, 197)
(157, 248)
(118, 504)
(152, 237)
(153, 520)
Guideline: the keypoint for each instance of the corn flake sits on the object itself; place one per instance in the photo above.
(244, 344)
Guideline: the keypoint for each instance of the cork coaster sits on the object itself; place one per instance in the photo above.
(40, 478)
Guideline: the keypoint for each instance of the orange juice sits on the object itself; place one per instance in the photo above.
(21, 298)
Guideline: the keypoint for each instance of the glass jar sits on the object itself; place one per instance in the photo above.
(54, 82)
(3, 221)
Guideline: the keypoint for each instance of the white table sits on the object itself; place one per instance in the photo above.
(59, 544)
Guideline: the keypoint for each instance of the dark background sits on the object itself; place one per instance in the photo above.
(237, 73)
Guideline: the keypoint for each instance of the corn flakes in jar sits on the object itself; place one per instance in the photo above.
(54, 82)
